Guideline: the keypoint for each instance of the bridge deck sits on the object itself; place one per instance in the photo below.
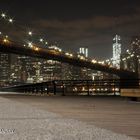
(111, 113)
(18, 48)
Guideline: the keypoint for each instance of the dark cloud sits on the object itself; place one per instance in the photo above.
(76, 24)
(96, 32)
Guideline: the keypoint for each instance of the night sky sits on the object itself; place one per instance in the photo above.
(76, 24)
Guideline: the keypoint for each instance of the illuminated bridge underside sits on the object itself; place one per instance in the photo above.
(50, 55)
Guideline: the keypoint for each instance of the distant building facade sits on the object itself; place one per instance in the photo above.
(5, 62)
(130, 60)
(116, 51)
(83, 51)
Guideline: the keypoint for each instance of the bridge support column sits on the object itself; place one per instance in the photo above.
(47, 89)
(36, 90)
(32, 90)
(63, 89)
(114, 88)
(88, 91)
(54, 87)
(130, 81)
(42, 89)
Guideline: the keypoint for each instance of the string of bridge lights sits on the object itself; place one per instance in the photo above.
(4, 16)
(30, 33)
(7, 18)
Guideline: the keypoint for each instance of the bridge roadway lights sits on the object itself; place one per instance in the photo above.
(36, 89)
(65, 86)
(44, 53)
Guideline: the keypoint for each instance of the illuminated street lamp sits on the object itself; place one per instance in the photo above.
(11, 20)
(41, 40)
(36, 49)
(93, 61)
(46, 43)
(3, 15)
(5, 40)
(30, 44)
(30, 33)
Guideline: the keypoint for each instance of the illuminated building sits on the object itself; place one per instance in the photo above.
(15, 74)
(50, 69)
(70, 72)
(116, 51)
(4, 68)
(23, 67)
(26, 69)
(83, 51)
(130, 60)
(135, 50)
(20, 68)
(77, 73)
(135, 45)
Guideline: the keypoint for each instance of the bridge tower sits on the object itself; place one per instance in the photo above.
(116, 51)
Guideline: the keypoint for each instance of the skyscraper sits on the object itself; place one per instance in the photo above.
(134, 50)
(50, 69)
(116, 51)
(135, 45)
(131, 58)
(4, 68)
(84, 51)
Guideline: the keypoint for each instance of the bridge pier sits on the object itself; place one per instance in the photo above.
(54, 87)
(63, 89)
(47, 89)
(36, 90)
(33, 90)
(42, 90)
(129, 81)
(88, 91)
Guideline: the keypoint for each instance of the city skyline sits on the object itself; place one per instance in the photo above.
(75, 25)
(104, 34)
(68, 69)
